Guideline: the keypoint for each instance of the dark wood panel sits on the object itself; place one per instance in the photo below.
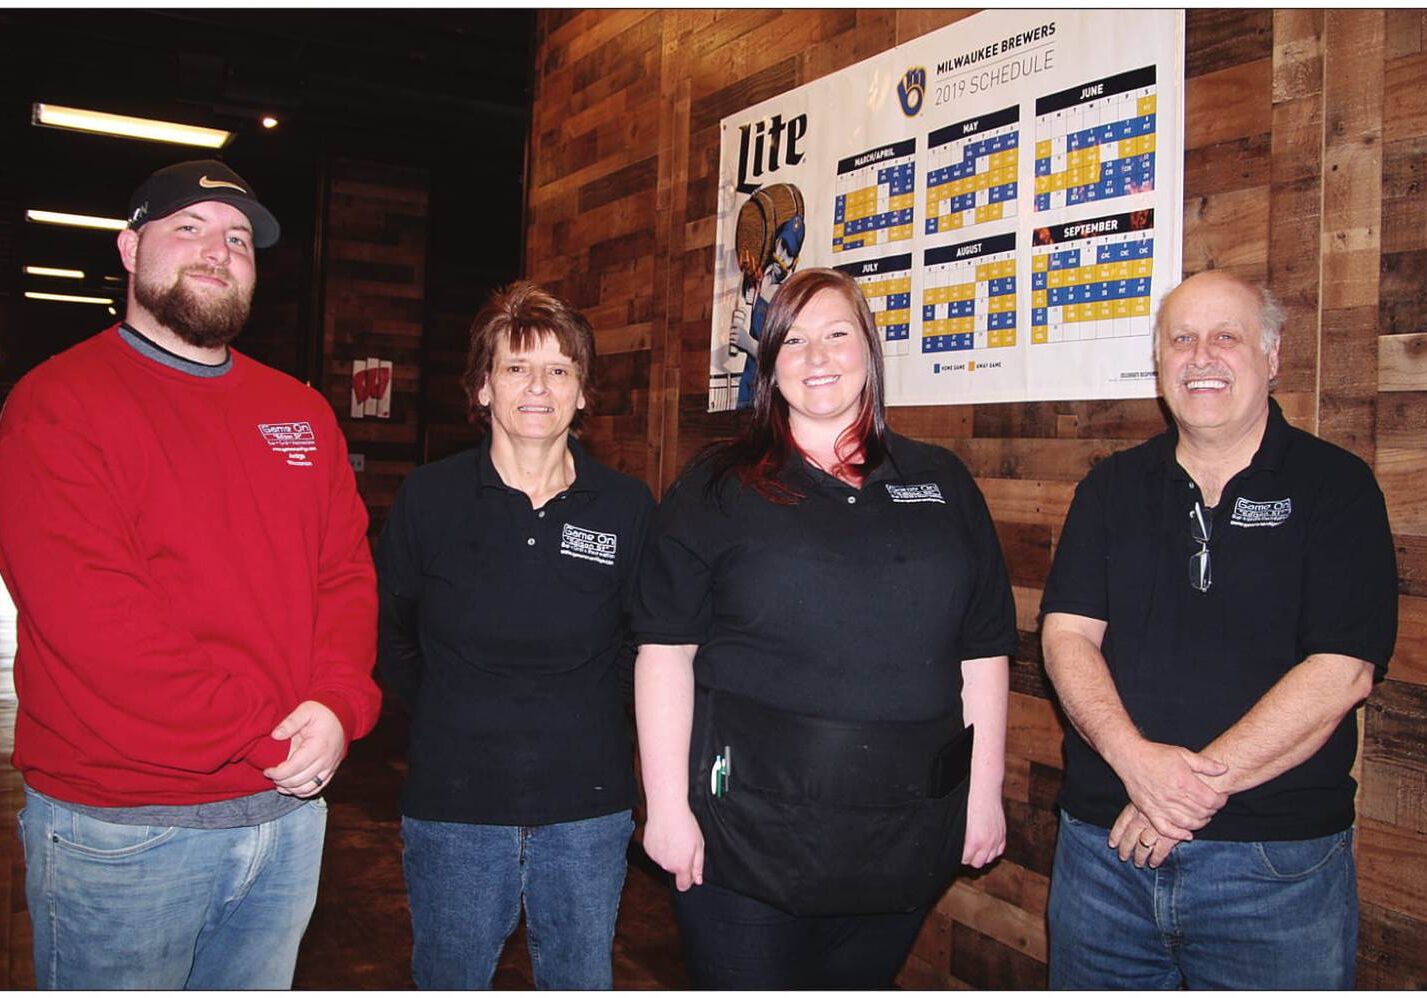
(1405, 97)
(983, 962)
(1404, 210)
(1404, 276)
(374, 272)
(633, 179)
(1030, 836)
(1218, 39)
(1390, 868)
(1228, 166)
(1026, 548)
(933, 944)
(1348, 379)
(1027, 671)
(707, 111)
(1411, 564)
(1044, 786)
(1390, 951)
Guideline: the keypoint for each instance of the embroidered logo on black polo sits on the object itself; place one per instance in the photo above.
(588, 545)
(294, 441)
(931, 492)
(1248, 513)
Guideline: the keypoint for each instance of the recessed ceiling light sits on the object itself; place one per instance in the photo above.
(124, 126)
(78, 275)
(269, 121)
(83, 221)
(77, 299)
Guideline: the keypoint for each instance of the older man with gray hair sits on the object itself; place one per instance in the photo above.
(1222, 598)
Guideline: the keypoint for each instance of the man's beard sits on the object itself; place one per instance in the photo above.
(199, 320)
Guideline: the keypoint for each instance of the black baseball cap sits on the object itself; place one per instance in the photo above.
(183, 184)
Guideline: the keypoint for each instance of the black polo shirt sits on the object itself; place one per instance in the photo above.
(502, 629)
(856, 604)
(1303, 563)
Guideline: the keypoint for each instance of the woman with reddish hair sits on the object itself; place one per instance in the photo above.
(824, 616)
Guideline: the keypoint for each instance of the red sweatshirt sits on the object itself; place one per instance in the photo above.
(189, 560)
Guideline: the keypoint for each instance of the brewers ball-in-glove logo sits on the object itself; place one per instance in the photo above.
(912, 89)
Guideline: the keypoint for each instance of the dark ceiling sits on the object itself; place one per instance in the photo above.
(447, 91)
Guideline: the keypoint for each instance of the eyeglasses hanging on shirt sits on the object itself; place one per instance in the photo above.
(1201, 576)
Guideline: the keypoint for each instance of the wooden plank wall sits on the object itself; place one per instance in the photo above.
(1306, 147)
(373, 305)
(273, 334)
(1390, 155)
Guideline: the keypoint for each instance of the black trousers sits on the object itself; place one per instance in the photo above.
(734, 942)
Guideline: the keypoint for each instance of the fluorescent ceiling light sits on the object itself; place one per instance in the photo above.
(78, 275)
(122, 125)
(65, 218)
(78, 299)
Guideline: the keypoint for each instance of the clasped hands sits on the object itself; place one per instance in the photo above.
(1171, 796)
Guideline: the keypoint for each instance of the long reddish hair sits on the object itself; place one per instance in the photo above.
(757, 454)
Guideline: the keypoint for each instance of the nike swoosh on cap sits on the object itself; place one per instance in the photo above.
(205, 182)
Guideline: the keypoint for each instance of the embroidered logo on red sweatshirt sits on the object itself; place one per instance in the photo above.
(294, 441)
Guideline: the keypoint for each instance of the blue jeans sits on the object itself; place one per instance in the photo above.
(138, 906)
(1223, 915)
(467, 883)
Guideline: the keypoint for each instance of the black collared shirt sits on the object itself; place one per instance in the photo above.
(502, 629)
(855, 604)
(1302, 562)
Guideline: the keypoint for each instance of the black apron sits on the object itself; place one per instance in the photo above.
(826, 817)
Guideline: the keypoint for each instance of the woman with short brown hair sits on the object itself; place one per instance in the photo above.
(504, 574)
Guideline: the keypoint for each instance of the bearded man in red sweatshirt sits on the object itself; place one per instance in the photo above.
(183, 538)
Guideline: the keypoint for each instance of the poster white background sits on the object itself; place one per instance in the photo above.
(977, 67)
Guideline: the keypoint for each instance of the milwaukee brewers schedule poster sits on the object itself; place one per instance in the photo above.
(1007, 191)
